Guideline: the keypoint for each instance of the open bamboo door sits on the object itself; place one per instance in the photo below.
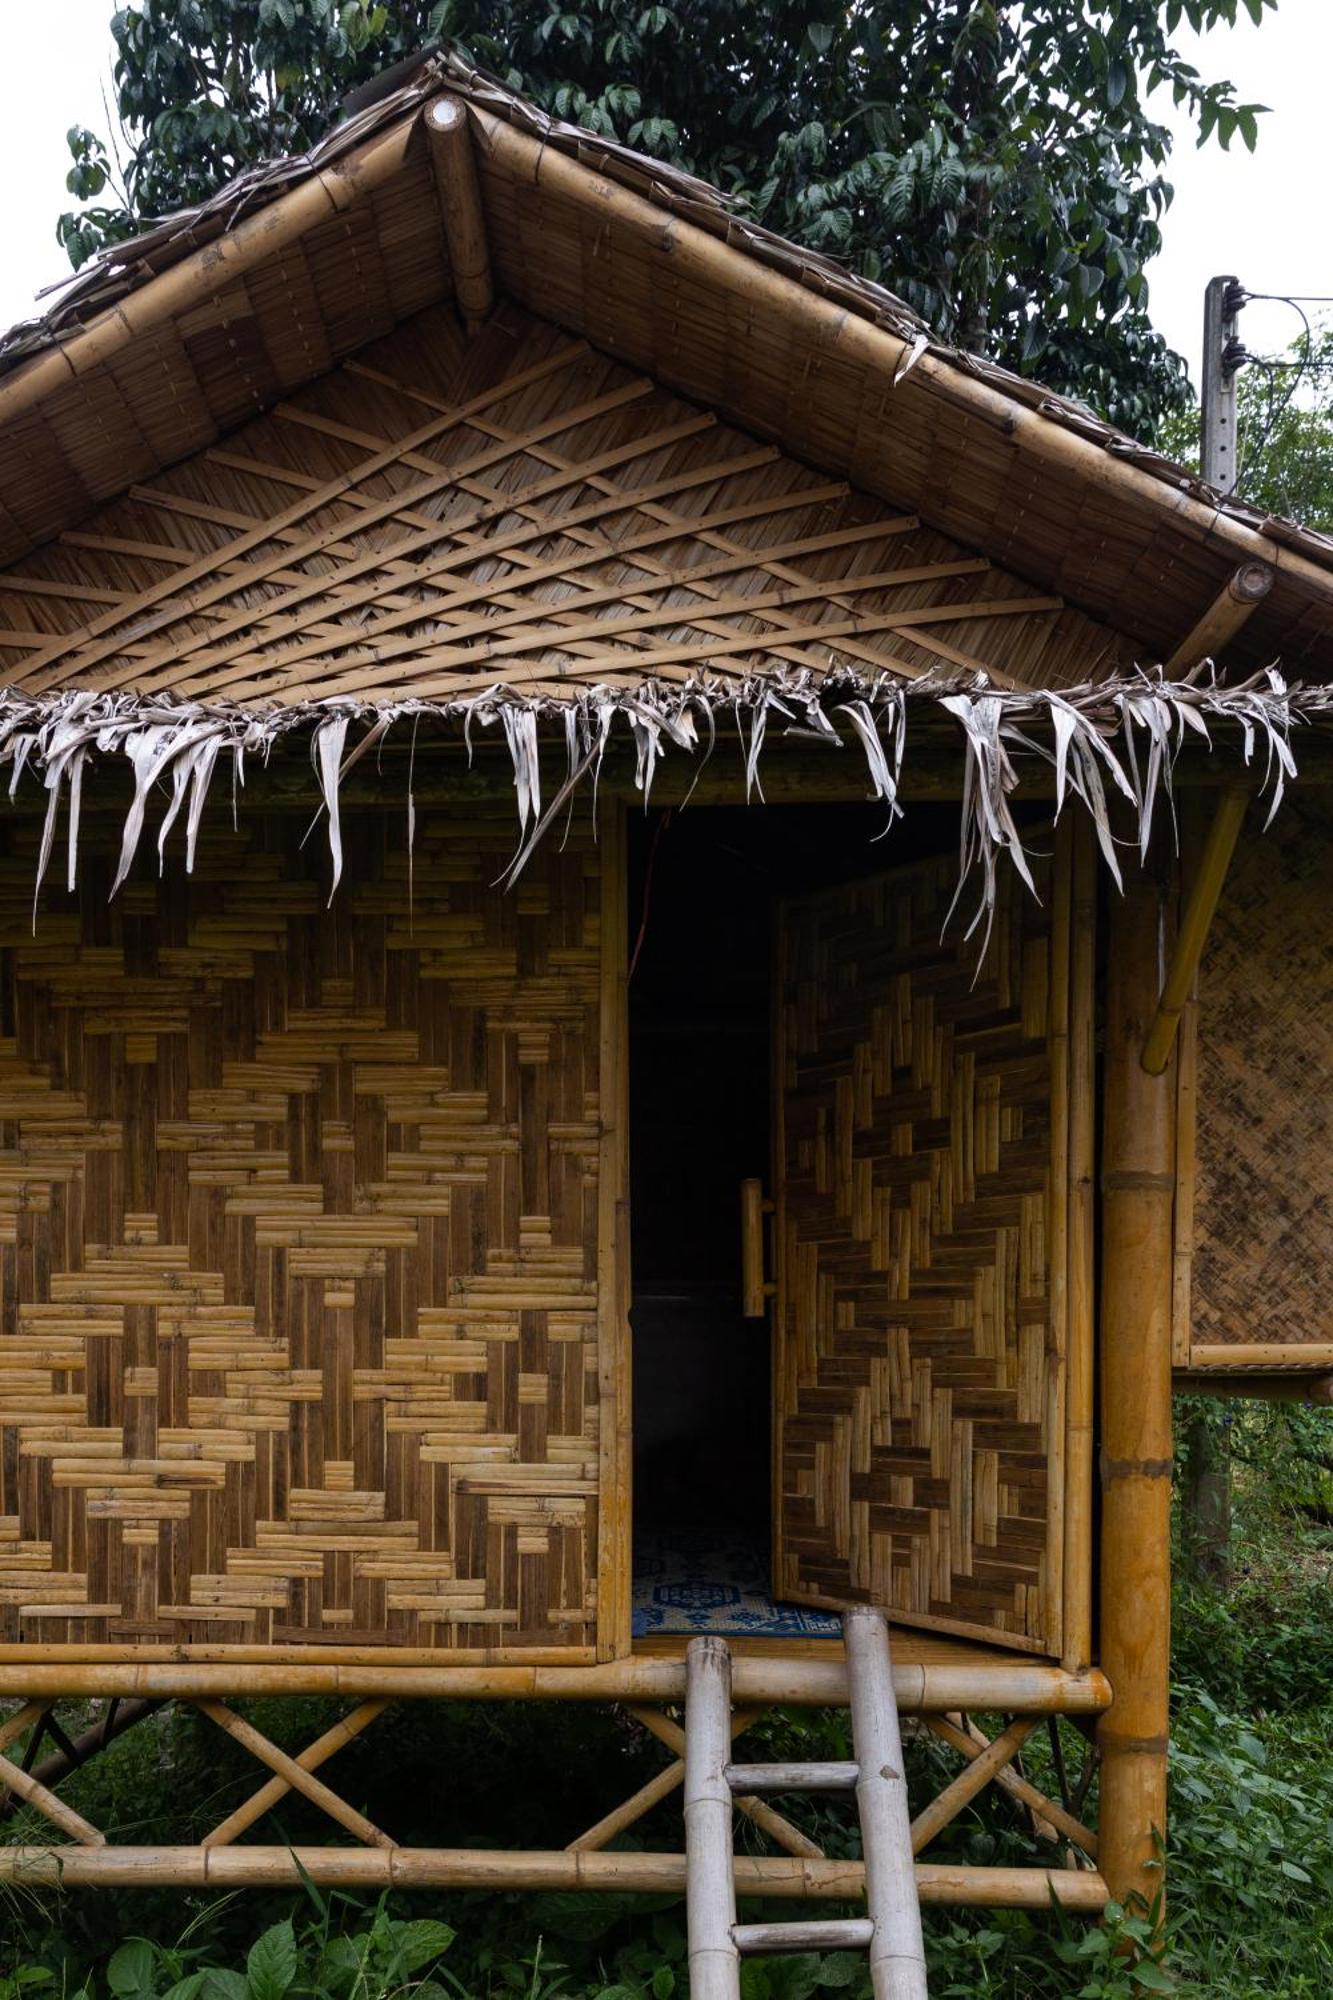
(921, 1249)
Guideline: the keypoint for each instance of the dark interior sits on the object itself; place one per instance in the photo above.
(703, 886)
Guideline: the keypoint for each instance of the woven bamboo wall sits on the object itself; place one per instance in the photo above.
(1255, 1228)
(298, 1246)
(921, 1343)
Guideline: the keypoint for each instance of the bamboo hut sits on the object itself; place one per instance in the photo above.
(607, 1036)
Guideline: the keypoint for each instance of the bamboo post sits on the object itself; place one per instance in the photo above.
(1194, 926)
(1078, 1566)
(460, 205)
(1138, 1186)
(897, 1952)
(710, 1894)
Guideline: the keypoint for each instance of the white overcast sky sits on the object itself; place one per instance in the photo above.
(1264, 218)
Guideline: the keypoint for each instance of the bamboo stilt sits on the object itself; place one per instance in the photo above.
(1138, 1183)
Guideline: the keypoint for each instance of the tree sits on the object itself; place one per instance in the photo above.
(994, 161)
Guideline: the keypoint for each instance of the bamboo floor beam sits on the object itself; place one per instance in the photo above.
(758, 1681)
(779, 1876)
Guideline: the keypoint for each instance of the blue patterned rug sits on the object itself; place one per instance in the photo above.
(694, 1582)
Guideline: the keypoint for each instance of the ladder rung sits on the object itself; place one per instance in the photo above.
(814, 1934)
(748, 1778)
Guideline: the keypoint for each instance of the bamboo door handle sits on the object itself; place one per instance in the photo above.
(756, 1291)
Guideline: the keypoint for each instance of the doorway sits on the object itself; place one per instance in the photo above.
(703, 886)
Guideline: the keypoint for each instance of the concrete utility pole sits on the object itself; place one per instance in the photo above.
(1222, 357)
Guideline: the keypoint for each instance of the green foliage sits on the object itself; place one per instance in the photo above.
(1285, 429)
(996, 164)
(370, 1956)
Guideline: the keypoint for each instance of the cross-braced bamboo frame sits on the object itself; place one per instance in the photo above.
(800, 1868)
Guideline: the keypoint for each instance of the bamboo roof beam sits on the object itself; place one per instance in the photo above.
(455, 167)
(1195, 924)
(1242, 595)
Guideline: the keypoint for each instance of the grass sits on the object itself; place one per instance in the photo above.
(1251, 1871)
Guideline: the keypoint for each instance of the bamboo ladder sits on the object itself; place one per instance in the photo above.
(891, 1932)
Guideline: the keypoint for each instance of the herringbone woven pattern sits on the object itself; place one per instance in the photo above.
(298, 1227)
(915, 1379)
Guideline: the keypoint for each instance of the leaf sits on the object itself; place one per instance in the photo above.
(419, 1943)
(271, 1965)
(221, 1983)
(1153, 1978)
(130, 1970)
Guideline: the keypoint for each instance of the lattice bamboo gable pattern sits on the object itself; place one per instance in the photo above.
(298, 1241)
(440, 516)
(919, 1358)
(1255, 1213)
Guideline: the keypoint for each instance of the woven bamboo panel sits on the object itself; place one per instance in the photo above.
(298, 1242)
(919, 1352)
(1255, 1067)
(438, 516)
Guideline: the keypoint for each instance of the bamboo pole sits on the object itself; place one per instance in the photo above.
(768, 1876)
(446, 122)
(763, 1816)
(659, 1787)
(1314, 1357)
(759, 1680)
(1082, 1366)
(614, 1353)
(344, 1731)
(710, 1893)
(976, 1774)
(1017, 1786)
(37, 1795)
(897, 1951)
(1138, 1185)
(1194, 926)
(294, 1773)
(806, 1934)
(1242, 595)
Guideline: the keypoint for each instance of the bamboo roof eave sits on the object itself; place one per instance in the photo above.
(1111, 745)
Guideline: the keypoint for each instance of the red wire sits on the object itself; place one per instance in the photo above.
(662, 823)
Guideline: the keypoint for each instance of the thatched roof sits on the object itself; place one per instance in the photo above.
(280, 464)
